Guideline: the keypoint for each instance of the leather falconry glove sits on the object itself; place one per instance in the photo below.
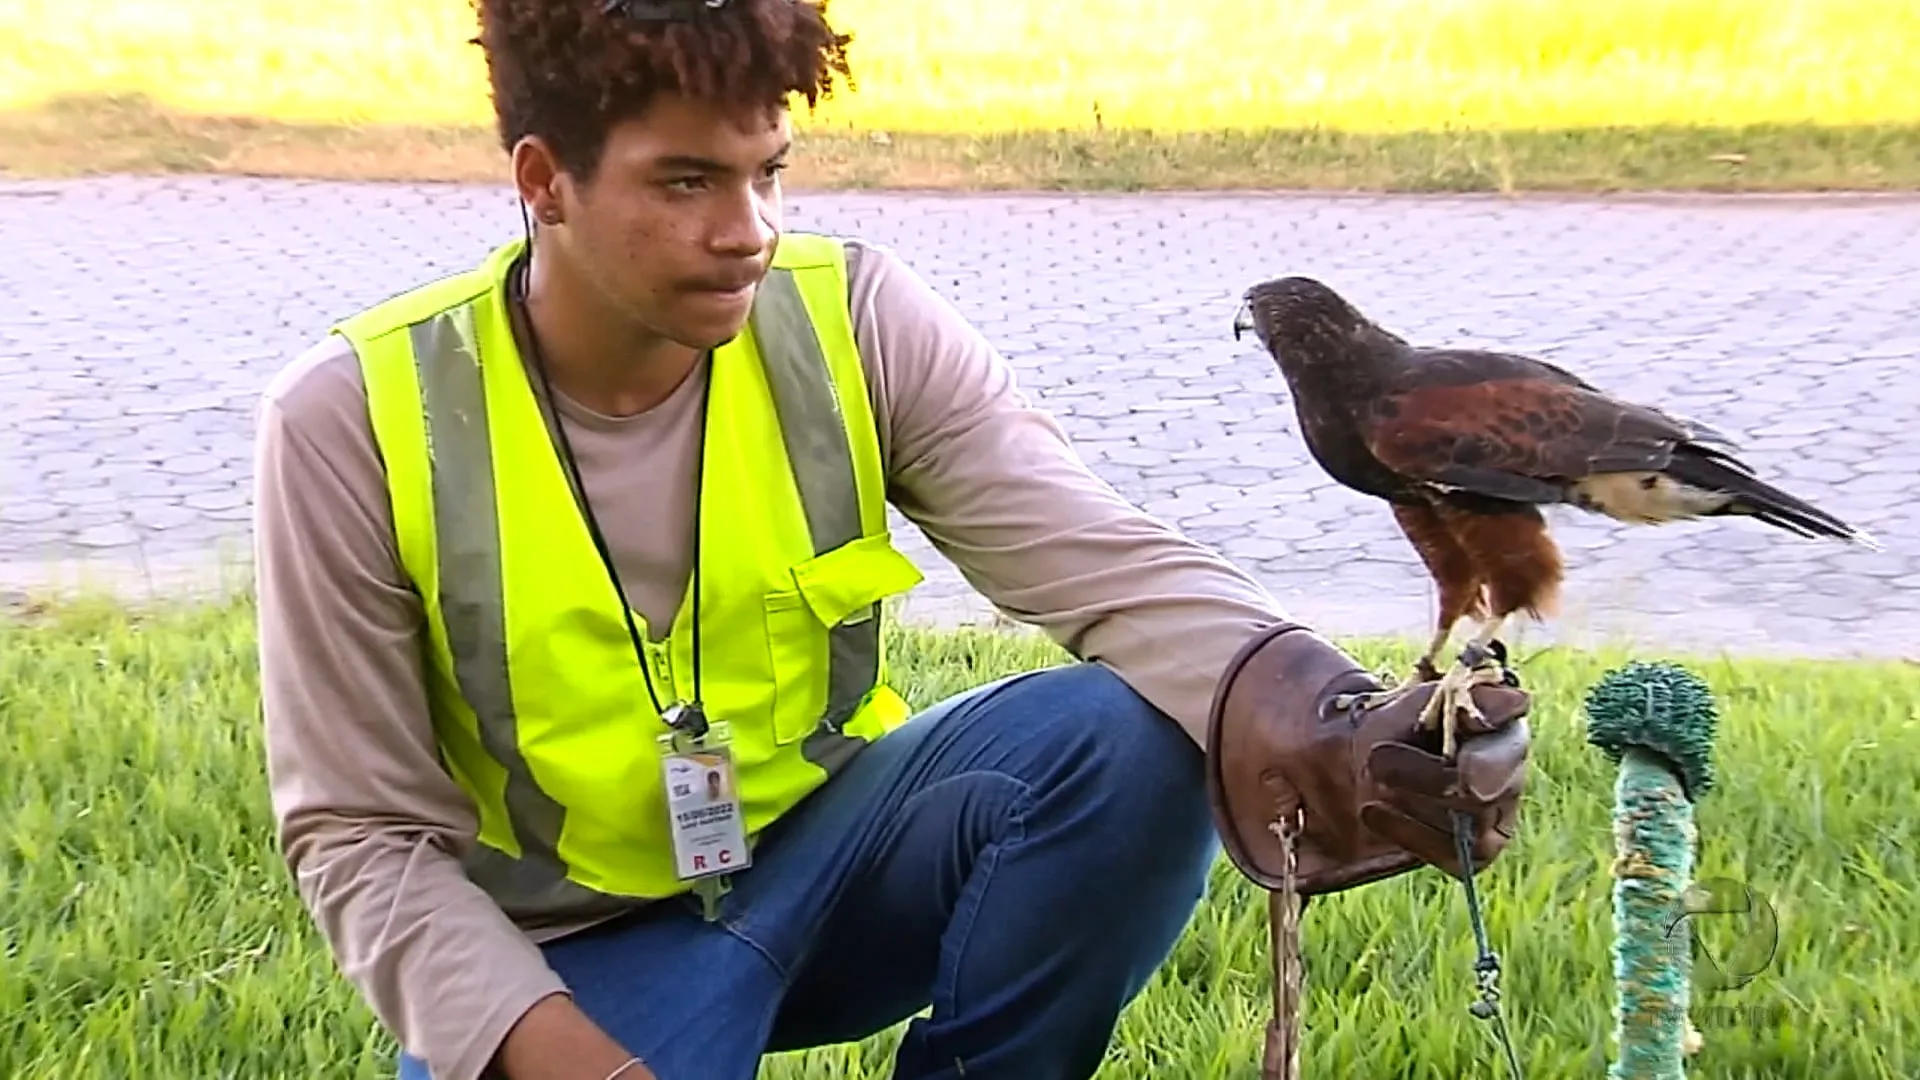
(1374, 795)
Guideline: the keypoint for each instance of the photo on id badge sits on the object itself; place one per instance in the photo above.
(708, 835)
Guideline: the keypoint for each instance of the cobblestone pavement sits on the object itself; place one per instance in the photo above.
(143, 316)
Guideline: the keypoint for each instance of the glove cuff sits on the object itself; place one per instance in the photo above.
(1247, 761)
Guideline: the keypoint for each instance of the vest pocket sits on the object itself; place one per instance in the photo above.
(839, 586)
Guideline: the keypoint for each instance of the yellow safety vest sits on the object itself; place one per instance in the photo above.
(537, 702)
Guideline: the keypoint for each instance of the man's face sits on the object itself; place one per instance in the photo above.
(679, 223)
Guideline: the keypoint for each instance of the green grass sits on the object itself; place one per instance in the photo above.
(94, 135)
(1037, 65)
(1382, 95)
(147, 927)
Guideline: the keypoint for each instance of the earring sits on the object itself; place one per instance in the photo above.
(550, 216)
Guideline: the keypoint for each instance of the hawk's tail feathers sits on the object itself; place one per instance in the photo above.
(1712, 470)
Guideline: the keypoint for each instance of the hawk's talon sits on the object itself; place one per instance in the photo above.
(1454, 696)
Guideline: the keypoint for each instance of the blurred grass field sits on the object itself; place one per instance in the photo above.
(1359, 92)
(148, 928)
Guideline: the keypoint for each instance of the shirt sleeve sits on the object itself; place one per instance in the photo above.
(996, 486)
(369, 822)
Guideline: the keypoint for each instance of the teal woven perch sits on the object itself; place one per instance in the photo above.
(1656, 722)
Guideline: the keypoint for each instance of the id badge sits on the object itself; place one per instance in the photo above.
(703, 807)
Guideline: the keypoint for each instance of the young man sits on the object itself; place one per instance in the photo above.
(541, 544)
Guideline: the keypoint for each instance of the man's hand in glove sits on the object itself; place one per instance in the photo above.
(1374, 795)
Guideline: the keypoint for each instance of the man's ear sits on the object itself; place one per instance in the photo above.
(538, 178)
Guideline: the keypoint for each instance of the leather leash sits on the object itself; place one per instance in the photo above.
(1281, 1060)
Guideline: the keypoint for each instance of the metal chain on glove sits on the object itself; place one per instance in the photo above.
(1282, 1057)
(1487, 966)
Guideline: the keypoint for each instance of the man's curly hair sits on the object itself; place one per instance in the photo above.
(568, 70)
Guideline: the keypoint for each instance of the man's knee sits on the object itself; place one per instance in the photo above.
(1137, 751)
(1133, 774)
(1125, 719)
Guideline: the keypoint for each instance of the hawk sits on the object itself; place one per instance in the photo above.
(1466, 446)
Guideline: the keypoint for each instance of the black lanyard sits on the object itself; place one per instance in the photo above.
(690, 719)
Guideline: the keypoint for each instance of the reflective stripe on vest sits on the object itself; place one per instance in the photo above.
(823, 468)
(470, 590)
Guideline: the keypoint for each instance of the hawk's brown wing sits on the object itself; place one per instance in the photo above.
(1525, 436)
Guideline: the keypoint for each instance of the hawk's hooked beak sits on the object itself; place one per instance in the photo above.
(1243, 319)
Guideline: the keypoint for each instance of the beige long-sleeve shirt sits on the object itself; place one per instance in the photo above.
(371, 823)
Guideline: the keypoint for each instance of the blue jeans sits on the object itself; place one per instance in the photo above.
(1021, 857)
